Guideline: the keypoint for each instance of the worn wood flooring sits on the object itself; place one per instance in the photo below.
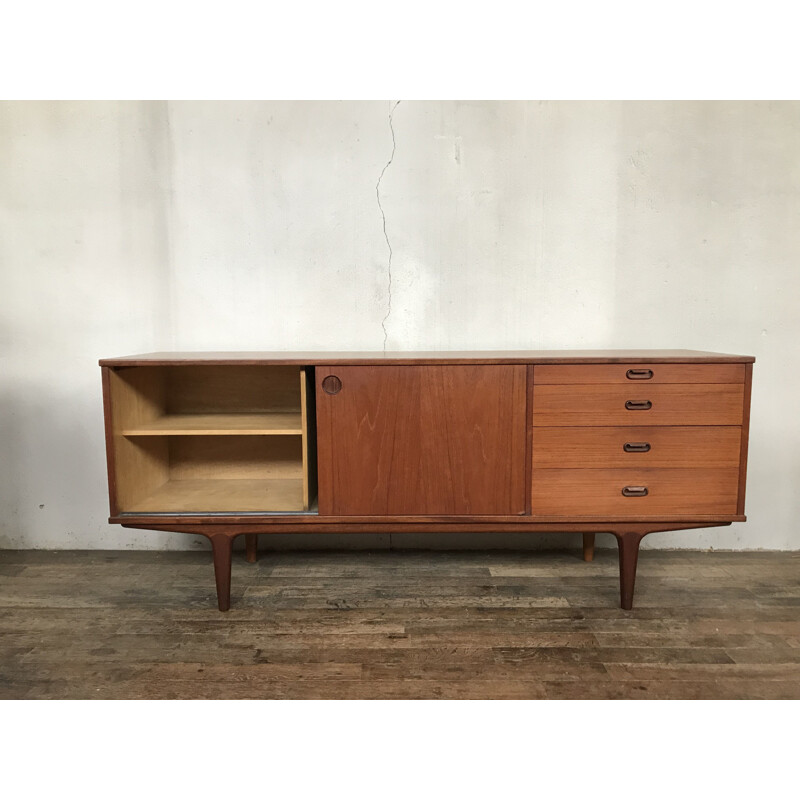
(399, 625)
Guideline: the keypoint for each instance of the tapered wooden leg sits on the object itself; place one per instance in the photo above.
(588, 547)
(251, 546)
(222, 547)
(628, 543)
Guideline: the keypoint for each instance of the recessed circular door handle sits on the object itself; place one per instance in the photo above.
(331, 385)
(634, 491)
(639, 374)
(636, 447)
(638, 405)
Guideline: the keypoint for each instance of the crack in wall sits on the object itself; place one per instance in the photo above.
(385, 234)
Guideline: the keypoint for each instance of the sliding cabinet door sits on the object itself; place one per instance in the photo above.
(421, 440)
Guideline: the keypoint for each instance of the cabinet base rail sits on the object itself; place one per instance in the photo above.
(628, 536)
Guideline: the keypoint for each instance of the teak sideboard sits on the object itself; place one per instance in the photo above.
(626, 442)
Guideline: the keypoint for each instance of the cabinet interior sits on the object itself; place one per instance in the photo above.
(194, 439)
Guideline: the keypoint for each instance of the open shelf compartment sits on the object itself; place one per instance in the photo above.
(214, 439)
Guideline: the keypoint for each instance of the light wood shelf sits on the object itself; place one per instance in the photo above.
(263, 424)
(215, 495)
(213, 439)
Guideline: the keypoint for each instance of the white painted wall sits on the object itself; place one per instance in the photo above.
(130, 227)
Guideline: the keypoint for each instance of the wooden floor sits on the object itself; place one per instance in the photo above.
(399, 625)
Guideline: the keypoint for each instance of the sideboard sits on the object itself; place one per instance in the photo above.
(627, 442)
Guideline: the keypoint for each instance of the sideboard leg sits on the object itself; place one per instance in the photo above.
(588, 547)
(628, 543)
(222, 547)
(251, 546)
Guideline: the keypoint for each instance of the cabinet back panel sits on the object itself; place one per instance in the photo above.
(232, 389)
(235, 457)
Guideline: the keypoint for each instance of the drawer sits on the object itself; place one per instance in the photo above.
(655, 446)
(638, 373)
(598, 492)
(648, 404)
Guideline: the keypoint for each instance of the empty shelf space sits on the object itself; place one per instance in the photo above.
(264, 424)
(215, 495)
(214, 439)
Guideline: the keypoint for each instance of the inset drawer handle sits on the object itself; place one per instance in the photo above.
(636, 447)
(331, 385)
(634, 491)
(639, 374)
(638, 405)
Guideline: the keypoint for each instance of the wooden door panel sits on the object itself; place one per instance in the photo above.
(398, 440)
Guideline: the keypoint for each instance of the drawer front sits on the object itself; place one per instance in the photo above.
(656, 446)
(638, 373)
(636, 405)
(599, 492)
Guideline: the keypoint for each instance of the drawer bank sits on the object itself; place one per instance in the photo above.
(627, 442)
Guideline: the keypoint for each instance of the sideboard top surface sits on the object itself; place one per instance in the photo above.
(429, 357)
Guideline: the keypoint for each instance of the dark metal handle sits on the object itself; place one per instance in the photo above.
(634, 491)
(636, 447)
(639, 374)
(638, 405)
(331, 384)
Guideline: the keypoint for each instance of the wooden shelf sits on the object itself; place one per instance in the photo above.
(213, 439)
(264, 424)
(214, 495)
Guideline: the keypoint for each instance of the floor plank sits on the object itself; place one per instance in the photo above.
(399, 625)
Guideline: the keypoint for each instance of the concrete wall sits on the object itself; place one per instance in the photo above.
(130, 227)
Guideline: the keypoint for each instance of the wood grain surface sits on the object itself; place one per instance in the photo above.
(214, 495)
(661, 373)
(748, 381)
(264, 424)
(136, 397)
(672, 404)
(681, 446)
(422, 440)
(312, 522)
(207, 439)
(426, 625)
(235, 457)
(397, 357)
(108, 424)
(198, 389)
(575, 492)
